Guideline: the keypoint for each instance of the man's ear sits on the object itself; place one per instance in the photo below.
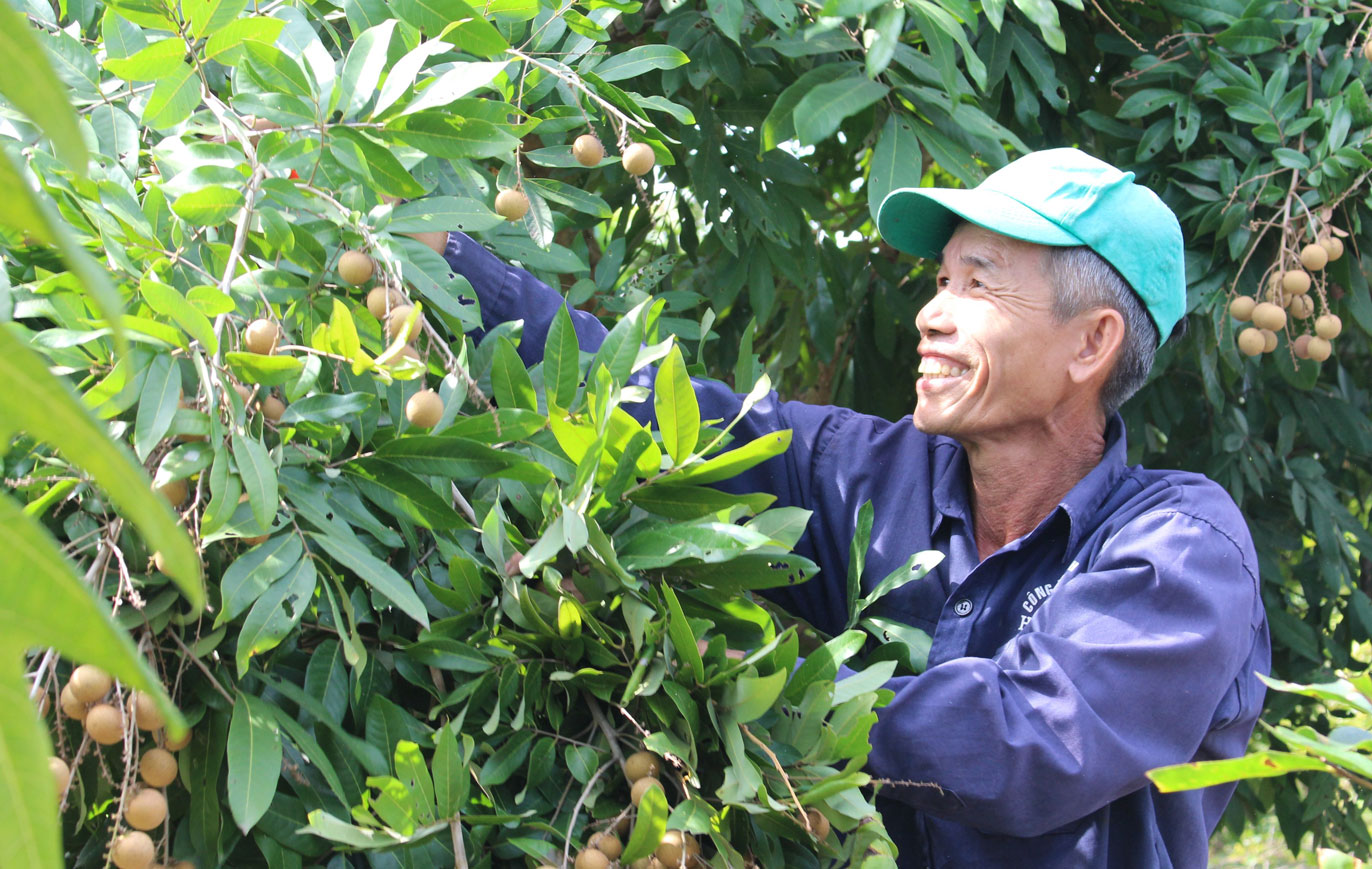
(1101, 335)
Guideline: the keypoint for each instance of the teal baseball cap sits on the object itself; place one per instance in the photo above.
(1061, 197)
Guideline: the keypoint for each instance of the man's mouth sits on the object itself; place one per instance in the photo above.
(930, 366)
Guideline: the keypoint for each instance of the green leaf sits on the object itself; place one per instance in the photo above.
(857, 559)
(823, 663)
(451, 137)
(258, 473)
(620, 347)
(254, 572)
(32, 827)
(561, 361)
(208, 206)
(819, 113)
(454, 21)
(173, 99)
(208, 16)
(265, 370)
(678, 412)
(362, 70)
(47, 409)
(385, 170)
(276, 613)
(227, 44)
(156, 404)
(510, 379)
(459, 458)
(683, 638)
(254, 760)
(149, 63)
(28, 83)
(636, 61)
(693, 502)
(735, 461)
(443, 213)
(650, 823)
(452, 780)
(326, 407)
(350, 553)
(750, 697)
(1262, 764)
(170, 303)
(896, 161)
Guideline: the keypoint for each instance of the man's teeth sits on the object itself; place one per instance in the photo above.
(940, 369)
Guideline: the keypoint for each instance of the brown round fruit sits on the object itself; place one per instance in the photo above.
(148, 716)
(424, 409)
(591, 859)
(355, 267)
(1296, 282)
(158, 767)
(105, 724)
(380, 299)
(511, 204)
(1241, 308)
(1269, 316)
(175, 492)
(607, 844)
(1314, 257)
(61, 775)
(1367, 50)
(1333, 245)
(88, 683)
(437, 240)
(396, 321)
(261, 337)
(587, 150)
(1269, 340)
(146, 809)
(1328, 326)
(1319, 348)
(1251, 341)
(1301, 346)
(1301, 307)
(133, 851)
(638, 159)
(177, 744)
(272, 408)
(677, 849)
(819, 825)
(642, 786)
(71, 707)
(642, 763)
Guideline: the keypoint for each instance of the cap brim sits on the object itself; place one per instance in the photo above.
(920, 220)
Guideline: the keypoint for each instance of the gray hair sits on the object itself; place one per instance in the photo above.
(1083, 280)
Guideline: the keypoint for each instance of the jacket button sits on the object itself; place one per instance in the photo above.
(963, 607)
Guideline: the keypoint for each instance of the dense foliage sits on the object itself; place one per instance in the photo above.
(432, 643)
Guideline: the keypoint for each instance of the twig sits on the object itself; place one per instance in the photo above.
(459, 847)
(804, 815)
(206, 670)
(576, 809)
(240, 240)
(464, 506)
(603, 723)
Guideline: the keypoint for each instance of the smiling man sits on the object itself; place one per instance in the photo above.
(1090, 620)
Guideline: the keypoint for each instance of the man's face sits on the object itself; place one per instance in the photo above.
(993, 362)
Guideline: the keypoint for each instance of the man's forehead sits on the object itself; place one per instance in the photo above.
(978, 247)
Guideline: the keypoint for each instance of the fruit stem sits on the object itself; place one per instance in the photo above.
(804, 816)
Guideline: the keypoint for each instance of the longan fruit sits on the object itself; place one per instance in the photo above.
(819, 825)
(61, 774)
(146, 712)
(1301, 346)
(133, 851)
(1269, 316)
(511, 204)
(1319, 348)
(1296, 282)
(244, 392)
(587, 150)
(1328, 326)
(677, 848)
(638, 159)
(1269, 339)
(175, 492)
(1314, 257)
(158, 767)
(105, 724)
(1333, 245)
(622, 826)
(437, 241)
(1251, 341)
(176, 744)
(159, 562)
(71, 707)
(642, 786)
(424, 409)
(396, 321)
(272, 408)
(1241, 308)
(381, 298)
(608, 844)
(1301, 307)
(182, 864)
(1367, 50)
(261, 336)
(642, 763)
(146, 809)
(355, 267)
(88, 683)
(591, 859)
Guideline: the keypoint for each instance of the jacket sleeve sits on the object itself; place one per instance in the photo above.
(1121, 671)
(508, 293)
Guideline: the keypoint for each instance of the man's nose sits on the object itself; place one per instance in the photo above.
(936, 316)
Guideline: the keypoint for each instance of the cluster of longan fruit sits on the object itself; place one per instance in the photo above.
(638, 159)
(84, 698)
(1288, 298)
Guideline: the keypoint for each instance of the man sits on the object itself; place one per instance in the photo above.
(1090, 621)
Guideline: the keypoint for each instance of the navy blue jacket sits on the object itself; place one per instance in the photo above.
(1123, 633)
